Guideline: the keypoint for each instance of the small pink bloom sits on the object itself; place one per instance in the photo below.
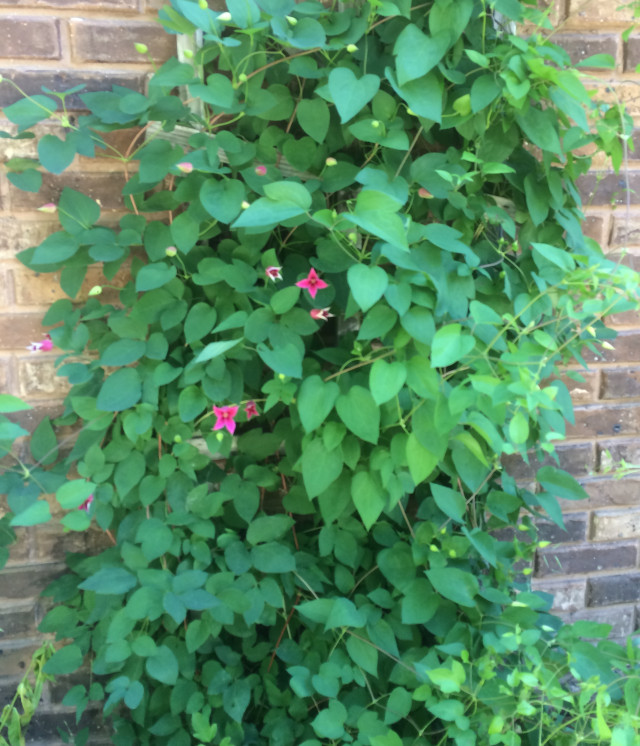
(86, 504)
(273, 273)
(321, 314)
(251, 410)
(185, 167)
(34, 346)
(49, 207)
(312, 283)
(261, 170)
(45, 345)
(225, 417)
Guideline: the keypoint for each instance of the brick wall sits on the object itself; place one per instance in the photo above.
(59, 44)
(594, 572)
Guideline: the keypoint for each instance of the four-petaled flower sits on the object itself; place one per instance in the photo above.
(43, 346)
(224, 418)
(312, 283)
(320, 314)
(273, 273)
(86, 504)
(251, 410)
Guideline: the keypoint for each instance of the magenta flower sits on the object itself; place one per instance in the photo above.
(43, 346)
(312, 283)
(185, 167)
(273, 273)
(320, 314)
(224, 418)
(261, 170)
(251, 410)
(86, 504)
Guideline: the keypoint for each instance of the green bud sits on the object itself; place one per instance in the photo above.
(95, 290)
(292, 20)
(171, 251)
(141, 48)
(375, 124)
(242, 78)
(204, 5)
(188, 54)
(177, 439)
(219, 437)
(351, 48)
(434, 548)
(353, 237)
(224, 17)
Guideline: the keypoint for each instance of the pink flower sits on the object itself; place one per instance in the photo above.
(251, 410)
(224, 418)
(43, 346)
(261, 170)
(185, 167)
(86, 504)
(312, 283)
(321, 314)
(49, 207)
(273, 273)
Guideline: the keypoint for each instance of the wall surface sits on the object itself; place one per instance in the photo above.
(594, 572)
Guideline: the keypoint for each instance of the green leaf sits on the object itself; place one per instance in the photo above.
(386, 380)
(29, 111)
(56, 248)
(264, 213)
(110, 580)
(27, 181)
(350, 94)
(519, 428)
(284, 300)
(344, 613)
(66, 660)
(121, 390)
(421, 460)
(359, 412)
(367, 284)
(76, 211)
(10, 403)
(56, 154)
(398, 705)
(72, 494)
(598, 60)
(123, 352)
(417, 54)
(285, 359)
(313, 116)
(222, 199)
(329, 723)
(363, 654)
(451, 502)
(37, 512)
(191, 403)
(43, 443)
(368, 498)
(423, 95)
(273, 557)
(154, 275)
(289, 191)
(236, 698)
(457, 585)
(215, 349)
(268, 527)
(419, 603)
(484, 90)
(163, 666)
(541, 128)
(218, 91)
(320, 467)
(560, 483)
(450, 345)
(315, 401)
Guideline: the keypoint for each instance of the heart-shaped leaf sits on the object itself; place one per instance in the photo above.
(386, 380)
(349, 94)
(315, 400)
(367, 284)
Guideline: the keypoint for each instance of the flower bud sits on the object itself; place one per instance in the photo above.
(351, 48)
(527, 571)
(375, 124)
(244, 204)
(188, 54)
(219, 437)
(95, 290)
(49, 207)
(204, 5)
(177, 439)
(353, 237)
(242, 78)
(185, 167)
(141, 48)
(260, 170)
(543, 544)
(282, 376)
(331, 161)
(424, 193)
(607, 346)
(292, 20)
(171, 251)
(225, 17)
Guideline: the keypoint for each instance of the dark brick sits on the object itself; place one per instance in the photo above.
(632, 53)
(611, 453)
(621, 384)
(27, 582)
(626, 348)
(45, 725)
(30, 37)
(621, 619)
(577, 459)
(15, 656)
(581, 46)
(111, 41)
(597, 421)
(608, 492)
(576, 529)
(21, 621)
(587, 558)
(613, 589)
(605, 188)
(31, 82)
(103, 186)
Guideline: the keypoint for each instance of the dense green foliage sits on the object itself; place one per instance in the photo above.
(349, 296)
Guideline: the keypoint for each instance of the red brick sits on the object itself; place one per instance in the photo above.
(568, 595)
(606, 492)
(577, 459)
(27, 581)
(104, 186)
(595, 13)
(29, 36)
(626, 349)
(112, 41)
(613, 589)
(581, 46)
(31, 81)
(621, 384)
(605, 421)
(610, 525)
(578, 560)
